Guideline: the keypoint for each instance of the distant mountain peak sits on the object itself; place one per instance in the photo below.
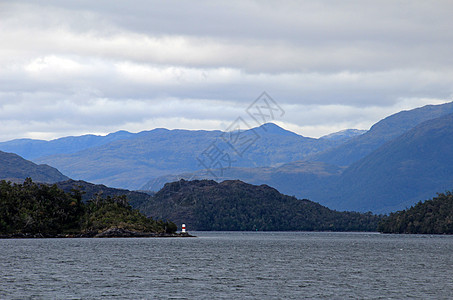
(161, 129)
(120, 132)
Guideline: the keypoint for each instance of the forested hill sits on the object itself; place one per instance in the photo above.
(432, 217)
(40, 210)
(235, 205)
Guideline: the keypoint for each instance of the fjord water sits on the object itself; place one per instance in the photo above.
(230, 265)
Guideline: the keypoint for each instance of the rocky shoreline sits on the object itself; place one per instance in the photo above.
(109, 233)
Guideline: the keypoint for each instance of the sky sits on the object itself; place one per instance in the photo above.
(79, 67)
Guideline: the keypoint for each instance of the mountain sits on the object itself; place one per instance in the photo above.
(380, 133)
(411, 167)
(430, 217)
(272, 155)
(32, 149)
(274, 129)
(16, 169)
(130, 163)
(344, 135)
(235, 205)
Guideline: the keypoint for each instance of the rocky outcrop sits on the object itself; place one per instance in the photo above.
(109, 233)
(121, 232)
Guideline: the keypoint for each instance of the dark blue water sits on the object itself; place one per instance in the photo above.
(232, 265)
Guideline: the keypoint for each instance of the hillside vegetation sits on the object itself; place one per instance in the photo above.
(235, 205)
(43, 210)
(90, 191)
(432, 217)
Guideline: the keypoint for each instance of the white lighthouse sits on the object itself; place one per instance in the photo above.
(183, 228)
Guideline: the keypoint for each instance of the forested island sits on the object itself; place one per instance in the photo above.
(40, 210)
(433, 216)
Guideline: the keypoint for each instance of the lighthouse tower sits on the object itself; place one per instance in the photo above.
(183, 228)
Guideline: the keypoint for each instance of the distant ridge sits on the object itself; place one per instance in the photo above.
(412, 167)
(296, 178)
(16, 169)
(132, 161)
(31, 149)
(380, 133)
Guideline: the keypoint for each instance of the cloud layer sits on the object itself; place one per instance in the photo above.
(77, 67)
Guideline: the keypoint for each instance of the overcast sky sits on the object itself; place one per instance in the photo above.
(76, 67)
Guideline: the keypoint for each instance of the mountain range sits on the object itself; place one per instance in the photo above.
(393, 165)
(126, 160)
(411, 167)
(381, 133)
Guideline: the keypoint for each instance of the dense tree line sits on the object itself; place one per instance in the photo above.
(32, 208)
(433, 216)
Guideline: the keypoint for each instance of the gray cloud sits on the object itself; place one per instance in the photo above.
(75, 67)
